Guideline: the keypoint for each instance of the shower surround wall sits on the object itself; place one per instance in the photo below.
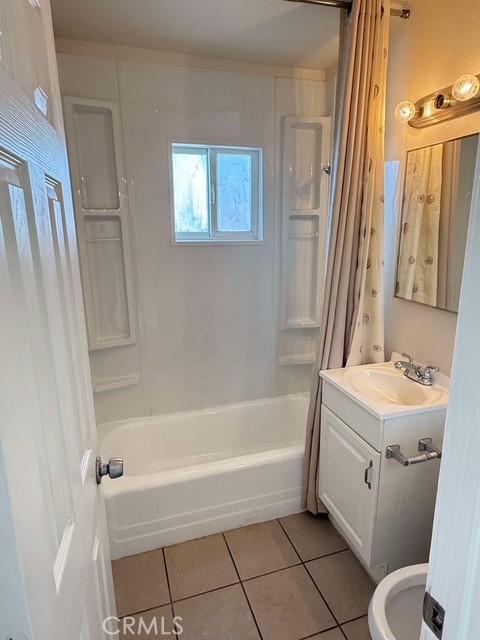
(206, 316)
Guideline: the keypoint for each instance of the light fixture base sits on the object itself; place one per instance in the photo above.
(440, 106)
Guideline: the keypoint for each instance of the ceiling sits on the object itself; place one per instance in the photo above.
(262, 31)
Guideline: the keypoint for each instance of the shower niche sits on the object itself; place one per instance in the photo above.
(305, 175)
(95, 144)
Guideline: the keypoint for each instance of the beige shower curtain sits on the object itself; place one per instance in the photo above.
(352, 330)
(448, 288)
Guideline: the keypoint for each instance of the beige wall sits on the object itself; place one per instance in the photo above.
(438, 43)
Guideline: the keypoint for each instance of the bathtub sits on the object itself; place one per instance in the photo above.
(194, 473)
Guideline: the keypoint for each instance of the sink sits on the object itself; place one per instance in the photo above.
(384, 385)
(385, 392)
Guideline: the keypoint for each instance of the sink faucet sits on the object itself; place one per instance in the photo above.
(422, 375)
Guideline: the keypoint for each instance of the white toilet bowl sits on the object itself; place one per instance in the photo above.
(395, 611)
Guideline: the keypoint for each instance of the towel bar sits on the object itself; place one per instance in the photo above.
(430, 452)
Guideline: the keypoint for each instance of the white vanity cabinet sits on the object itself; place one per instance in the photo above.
(383, 509)
(349, 472)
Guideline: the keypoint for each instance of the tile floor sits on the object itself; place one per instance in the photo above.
(287, 579)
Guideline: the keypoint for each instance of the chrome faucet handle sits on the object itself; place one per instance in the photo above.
(426, 374)
(429, 369)
(407, 355)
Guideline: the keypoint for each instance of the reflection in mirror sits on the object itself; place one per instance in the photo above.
(433, 234)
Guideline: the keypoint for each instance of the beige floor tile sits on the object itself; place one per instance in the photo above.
(357, 630)
(198, 566)
(344, 584)
(260, 548)
(287, 605)
(148, 625)
(219, 615)
(312, 536)
(140, 582)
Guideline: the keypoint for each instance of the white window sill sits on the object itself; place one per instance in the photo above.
(216, 243)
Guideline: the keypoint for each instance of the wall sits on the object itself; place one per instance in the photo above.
(438, 43)
(207, 316)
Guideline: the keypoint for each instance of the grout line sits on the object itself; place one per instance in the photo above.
(311, 578)
(243, 588)
(204, 593)
(168, 586)
(139, 613)
(166, 574)
(269, 573)
(365, 615)
(315, 635)
(290, 540)
(322, 596)
(324, 555)
(304, 563)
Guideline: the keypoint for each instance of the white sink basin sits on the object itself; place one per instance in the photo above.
(385, 391)
(388, 386)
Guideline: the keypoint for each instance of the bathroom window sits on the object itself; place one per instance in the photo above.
(216, 193)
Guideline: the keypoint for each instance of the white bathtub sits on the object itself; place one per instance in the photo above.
(195, 473)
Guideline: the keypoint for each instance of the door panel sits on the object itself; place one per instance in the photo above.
(454, 570)
(47, 431)
(348, 465)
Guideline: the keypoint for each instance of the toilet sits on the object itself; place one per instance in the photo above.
(395, 611)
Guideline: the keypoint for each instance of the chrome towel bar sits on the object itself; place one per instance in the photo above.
(430, 452)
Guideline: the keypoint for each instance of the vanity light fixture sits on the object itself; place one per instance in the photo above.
(466, 87)
(459, 99)
(405, 111)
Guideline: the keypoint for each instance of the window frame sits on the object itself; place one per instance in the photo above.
(214, 236)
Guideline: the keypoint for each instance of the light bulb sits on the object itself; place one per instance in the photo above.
(465, 87)
(405, 111)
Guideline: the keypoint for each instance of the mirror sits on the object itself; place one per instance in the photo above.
(433, 234)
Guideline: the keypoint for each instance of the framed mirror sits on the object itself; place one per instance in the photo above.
(435, 213)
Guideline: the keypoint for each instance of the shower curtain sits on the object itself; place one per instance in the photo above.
(417, 277)
(352, 330)
(448, 291)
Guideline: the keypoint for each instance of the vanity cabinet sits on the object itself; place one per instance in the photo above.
(349, 473)
(383, 509)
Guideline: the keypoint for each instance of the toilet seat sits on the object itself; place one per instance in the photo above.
(395, 610)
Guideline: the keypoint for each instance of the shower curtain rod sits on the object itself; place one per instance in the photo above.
(347, 4)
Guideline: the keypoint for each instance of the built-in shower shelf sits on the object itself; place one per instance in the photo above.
(306, 148)
(115, 382)
(102, 213)
(301, 324)
(286, 361)
(304, 213)
(302, 236)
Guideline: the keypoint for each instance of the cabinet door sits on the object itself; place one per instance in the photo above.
(348, 481)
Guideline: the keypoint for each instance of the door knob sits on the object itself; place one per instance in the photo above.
(113, 468)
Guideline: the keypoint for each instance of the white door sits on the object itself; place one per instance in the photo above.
(348, 483)
(454, 572)
(55, 573)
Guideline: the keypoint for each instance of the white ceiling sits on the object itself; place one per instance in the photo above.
(262, 31)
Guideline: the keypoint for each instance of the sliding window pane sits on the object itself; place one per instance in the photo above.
(234, 192)
(190, 190)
